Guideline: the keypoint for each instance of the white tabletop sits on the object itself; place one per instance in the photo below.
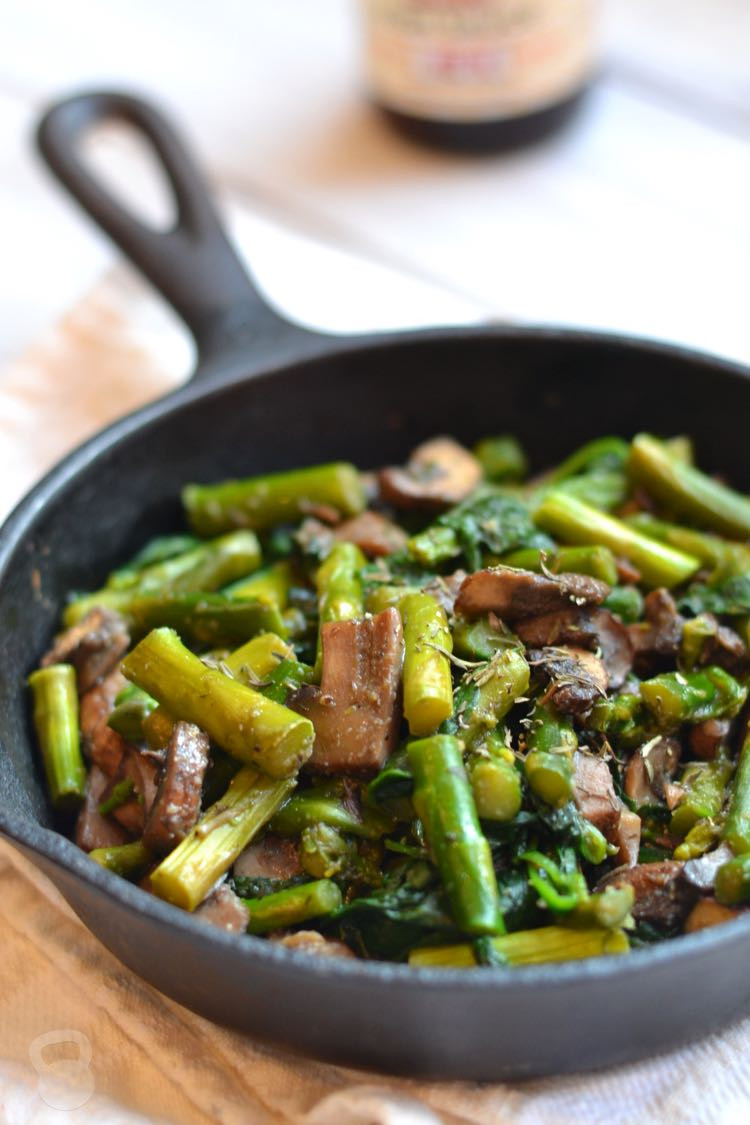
(634, 219)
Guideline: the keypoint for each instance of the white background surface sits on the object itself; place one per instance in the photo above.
(635, 219)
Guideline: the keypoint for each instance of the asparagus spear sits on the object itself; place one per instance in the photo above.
(726, 557)
(157, 550)
(737, 824)
(243, 722)
(575, 522)
(551, 741)
(292, 906)
(444, 803)
(132, 707)
(692, 697)
(128, 860)
(598, 562)
(189, 872)
(495, 781)
(686, 489)
(256, 660)
(204, 620)
(527, 947)
(271, 585)
(261, 502)
(626, 602)
(428, 685)
(204, 568)
(732, 883)
(339, 588)
(705, 785)
(305, 810)
(55, 698)
(486, 695)
(502, 458)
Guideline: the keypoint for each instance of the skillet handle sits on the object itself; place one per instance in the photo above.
(192, 264)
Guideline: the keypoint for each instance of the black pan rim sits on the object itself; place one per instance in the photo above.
(58, 850)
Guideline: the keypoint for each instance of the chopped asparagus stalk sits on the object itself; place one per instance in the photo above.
(575, 522)
(444, 803)
(188, 873)
(56, 723)
(687, 490)
(261, 502)
(527, 947)
(128, 860)
(428, 685)
(305, 810)
(241, 720)
(292, 906)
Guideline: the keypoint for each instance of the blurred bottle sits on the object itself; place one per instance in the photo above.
(479, 74)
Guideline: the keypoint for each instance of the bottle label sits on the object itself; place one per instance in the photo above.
(477, 60)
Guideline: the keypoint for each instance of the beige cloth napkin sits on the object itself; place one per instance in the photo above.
(131, 1055)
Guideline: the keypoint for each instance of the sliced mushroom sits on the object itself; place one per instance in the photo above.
(656, 641)
(705, 738)
(650, 769)
(701, 872)
(517, 594)
(225, 910)
(439, 473)
(310, 941)
(662, 895)
(444, 588)
(355, 711)
(273, 857)
(143, 772)
(94, 646)
(577, 678)
(596, 629)
(177, 804)
(99, 742)
(594, 793)
(628, 837)
(92, 829)
(373, 533)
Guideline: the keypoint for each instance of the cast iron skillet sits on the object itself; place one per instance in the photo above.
(267, 396)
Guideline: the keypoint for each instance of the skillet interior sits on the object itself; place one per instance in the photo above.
(371, 405)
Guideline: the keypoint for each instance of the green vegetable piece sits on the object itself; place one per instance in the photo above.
(325, 853)
(701, 837)
(600, 455)
(624, 719)
(339, 587)
(155, 551)
(444, 803)
(549, 730)
(495, 782)
(261, 502)
(502, 458)
(550, 776)
(122, 791)
(598, 562)
(204, 620)
(528, 947)
(386, 595)
(292, 906)
(305, 810)
(695, 634)
(477, 639)
(704, 784)
(726, 557)
(575, 522)
(729, 596)
(127, 860)
(55, 699)
(626, 602)
(673, 697)
(131, 708)
(493, 689)
(434, 546)
(428, 684)
(239, 719)
(732, 885)
(189, 872)
(157, 728)
(270, 585)
(202, 569)
(687, 490)
(255, 661)
(737, 824)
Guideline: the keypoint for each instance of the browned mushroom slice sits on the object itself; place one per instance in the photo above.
(92, 829)
(225, 910)
(705, 738)
(724, 647)
(273, 857)
(577, 678)
(439, 473)
(373, 534)
(310, 941)
(627, 837)
(596, 629)
(356, 711)
(662, 896)
(177, 804)
(650, 770)
(656, 641)
(100, 743)
(515, 594)
(94, 646)
(444, 588)
(594, 793)
(708, 912)
(143, 773)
